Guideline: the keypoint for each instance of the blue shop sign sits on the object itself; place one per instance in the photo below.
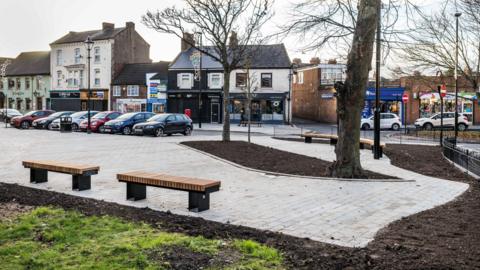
(394, 93)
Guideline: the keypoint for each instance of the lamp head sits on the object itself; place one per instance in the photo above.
(458, 14)
(88, 42)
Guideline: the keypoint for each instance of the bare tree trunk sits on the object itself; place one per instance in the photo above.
(226, 102)
(351, 94)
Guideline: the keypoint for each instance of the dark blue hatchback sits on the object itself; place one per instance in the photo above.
(125, 122)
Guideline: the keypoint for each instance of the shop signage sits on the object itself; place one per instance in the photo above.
(153, 90)
(405, 98)
(64, 94)
(327, 96)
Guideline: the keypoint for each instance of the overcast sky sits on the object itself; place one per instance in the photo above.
(31, 25)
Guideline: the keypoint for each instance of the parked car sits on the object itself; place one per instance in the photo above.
(98, 121)
(25, 121)
(7, 114)
(434, 121)
(387, 121)
(124, 123)
(165, 124)
(76, 119)
(46, 123)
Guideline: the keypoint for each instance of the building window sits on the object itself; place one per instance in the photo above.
(11, 84)
(19, 84)
(70, 79)
(28, 104)
(300, 77)
(77, 56)
(59, 78)
(117, 91)
(59, 57)
(96, 52)
(185, 80)
(215, 80)
(266, 80)
(27, 83)
(241, 79)
(133, 90)
(97, 77)
(331, 75)
(1, 85)
(81, 78)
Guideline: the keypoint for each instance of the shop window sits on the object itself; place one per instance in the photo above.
(215, 80)
(266, 80)
(185, 80)
(158, 108)
(241, 79)
(133, 90)
(117, 91)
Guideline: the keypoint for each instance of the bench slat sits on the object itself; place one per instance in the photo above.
(167, 181)
(331, 136)
(61, 167)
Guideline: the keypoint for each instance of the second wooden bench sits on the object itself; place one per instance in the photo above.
(198, 189)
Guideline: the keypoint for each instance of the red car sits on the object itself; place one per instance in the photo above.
(25, 121)
(98, 120)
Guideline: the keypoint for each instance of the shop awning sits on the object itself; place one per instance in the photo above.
(386, 93)
(266, 96)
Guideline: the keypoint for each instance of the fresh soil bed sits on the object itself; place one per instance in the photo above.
(446, 237)
(269, 159)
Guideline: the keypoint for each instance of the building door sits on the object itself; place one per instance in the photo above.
(215, 113)
(39, 104)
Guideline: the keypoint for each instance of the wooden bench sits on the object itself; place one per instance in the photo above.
(198, 189)
(334, 138)
(81, 174)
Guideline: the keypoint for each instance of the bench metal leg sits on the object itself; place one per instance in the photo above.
(198, 202)
(308, 139)
(136, 192)
(81, 182)
(333, 141)
(362, 146)
(38, 176)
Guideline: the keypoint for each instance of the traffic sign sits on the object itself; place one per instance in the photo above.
(443, 90)
(405, 97)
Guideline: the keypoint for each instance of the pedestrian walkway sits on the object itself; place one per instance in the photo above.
(337, 212)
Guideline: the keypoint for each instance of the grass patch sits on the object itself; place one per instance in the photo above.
(49, 238)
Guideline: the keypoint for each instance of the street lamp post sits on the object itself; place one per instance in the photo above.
(3, 70)
(89, 45)
(199, 34)
(376, 123)
(457, 15)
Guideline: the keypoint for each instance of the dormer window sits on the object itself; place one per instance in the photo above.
(185, 80)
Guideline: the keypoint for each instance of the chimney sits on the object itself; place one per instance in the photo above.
(332, 61)
(130, 25)
(315, 61)
(186, 41)
(108, 26)
(297, 61)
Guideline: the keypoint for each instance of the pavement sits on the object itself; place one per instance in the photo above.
(346, 213)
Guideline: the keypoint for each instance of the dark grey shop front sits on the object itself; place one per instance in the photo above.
(65, 101)
(211, 111)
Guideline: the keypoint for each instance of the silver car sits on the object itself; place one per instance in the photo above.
(76, 119)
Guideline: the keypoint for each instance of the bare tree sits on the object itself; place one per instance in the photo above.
(250, 89)
(229, 26)
(432, 43)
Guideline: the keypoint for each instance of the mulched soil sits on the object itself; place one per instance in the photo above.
(446, 237)
(269, 159)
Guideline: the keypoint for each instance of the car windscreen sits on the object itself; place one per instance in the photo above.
(55, 115)
(30, 113)
(100, 115)
(78, 114)
(158, 118)
(126, 116)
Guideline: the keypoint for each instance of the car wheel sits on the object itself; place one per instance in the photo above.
(49, 127)
(127, 130)
(188, 131)
(158, 132)
(365, 126)
(101, 129)
(74, 127)
(25, 125)
(395, 127)
(428, 126)
(462, 127)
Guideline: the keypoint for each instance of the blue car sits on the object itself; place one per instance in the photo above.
(124, 123)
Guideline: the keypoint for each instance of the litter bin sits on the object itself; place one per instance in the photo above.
(65, 124)
(188, 112)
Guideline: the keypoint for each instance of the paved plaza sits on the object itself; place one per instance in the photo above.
(347, 213)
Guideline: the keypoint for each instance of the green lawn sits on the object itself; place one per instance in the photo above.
(49, 238)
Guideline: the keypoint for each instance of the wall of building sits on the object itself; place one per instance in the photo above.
(280, 80)
(37, 93)
(141, 98)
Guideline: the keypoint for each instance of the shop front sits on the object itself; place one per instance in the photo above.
(211, 111)
(266, 107)
(390, 101)
(98, 100)
(67, 100)
(430, 104)
(157, 97)
(130, 105)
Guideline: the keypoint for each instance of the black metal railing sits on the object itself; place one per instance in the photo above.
(466, 158)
